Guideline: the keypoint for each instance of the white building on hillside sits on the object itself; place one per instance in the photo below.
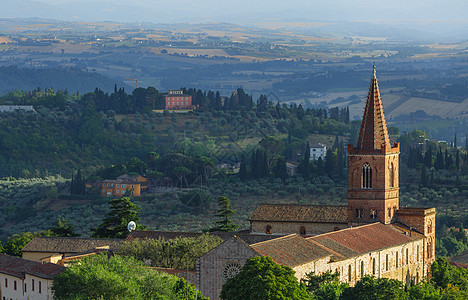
(318, 150)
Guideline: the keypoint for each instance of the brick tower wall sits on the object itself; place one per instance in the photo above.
(383, 196)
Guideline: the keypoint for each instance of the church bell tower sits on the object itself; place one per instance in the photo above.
(373, 190)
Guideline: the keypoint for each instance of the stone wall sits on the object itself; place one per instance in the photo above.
(281, 228)
(219, 264)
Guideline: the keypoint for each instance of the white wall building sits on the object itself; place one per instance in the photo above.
(316, 151)
(26, 279)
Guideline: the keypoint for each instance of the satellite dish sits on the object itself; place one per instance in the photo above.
(131, 226)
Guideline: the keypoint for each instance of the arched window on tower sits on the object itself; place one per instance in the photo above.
(366, 176)
(392, 176)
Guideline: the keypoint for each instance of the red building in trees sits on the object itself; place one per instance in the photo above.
(176, 99)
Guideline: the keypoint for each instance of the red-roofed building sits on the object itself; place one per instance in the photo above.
(25, 279)
(176, 99)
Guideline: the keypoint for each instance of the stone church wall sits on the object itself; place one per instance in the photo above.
(281, 228)
(219, 263)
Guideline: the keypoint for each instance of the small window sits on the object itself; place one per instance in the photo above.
(358, 213)
(389, 212)
(117, 185)
(417, 253)
(302, 230)
(14, 285)
(40, 287)
(373, 266)
(362, 268)
(407, 256)
(392, 177)
(25, 290)
(32, 285)
(268, 229)
(349, 273)
(386, 262)
(373, 214)
(396, 259)
(6, 282)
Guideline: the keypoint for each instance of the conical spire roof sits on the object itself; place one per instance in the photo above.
(373, 134)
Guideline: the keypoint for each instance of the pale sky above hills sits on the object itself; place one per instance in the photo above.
(325, 9)
(437, 16)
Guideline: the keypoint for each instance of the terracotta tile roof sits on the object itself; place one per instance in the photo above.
(373, 134)
(460, 260)
(167, 235)
(300, 213)
(18, 267)
(350, 242)
(291, 250)
(68, 244)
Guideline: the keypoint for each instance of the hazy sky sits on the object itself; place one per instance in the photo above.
(326, 9)
(431, 16)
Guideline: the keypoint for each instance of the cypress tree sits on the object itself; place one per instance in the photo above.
(72, 185)
(253, 165)
(265, 164)
(423, 176)
(320, 166)
(243, 169)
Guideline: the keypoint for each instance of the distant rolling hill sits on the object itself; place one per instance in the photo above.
(72, 79)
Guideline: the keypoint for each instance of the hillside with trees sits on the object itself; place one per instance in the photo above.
(233, 146)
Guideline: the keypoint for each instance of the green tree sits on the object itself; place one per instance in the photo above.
(313, 282)
(424, 291)
(444, 275)
(273, 148)
(16, 243)
(263, 279)
(177, 253)
(62, 228)
(224, 213)
(116, 277)
(243, 169)
(122, 211)
(371, 288)
(77, 185)
(136, 165)
(279, 170)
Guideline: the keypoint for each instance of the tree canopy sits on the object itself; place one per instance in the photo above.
(177, 253)
(116, 277)
(122, 211)
(224, 214)
(262, 278)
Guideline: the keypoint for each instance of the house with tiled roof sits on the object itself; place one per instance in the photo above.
(25, 279)
(133, 185)
(54, 249)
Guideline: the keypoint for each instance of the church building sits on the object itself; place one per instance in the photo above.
(372, 235)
